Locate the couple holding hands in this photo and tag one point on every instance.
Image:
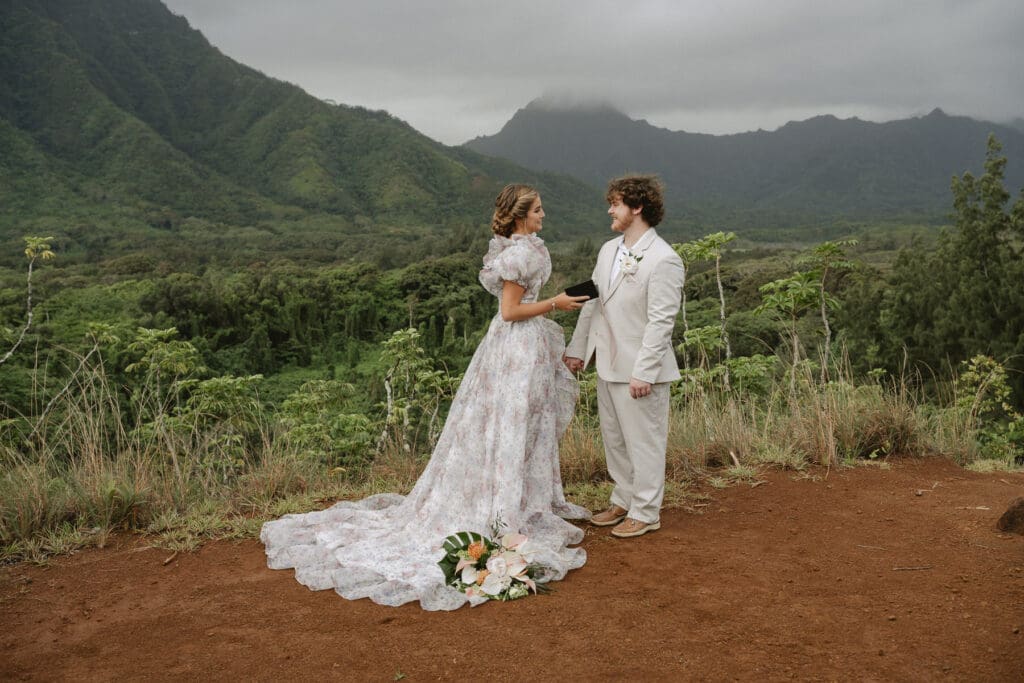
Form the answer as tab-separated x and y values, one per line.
497	458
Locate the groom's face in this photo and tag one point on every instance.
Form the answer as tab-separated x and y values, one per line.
622	215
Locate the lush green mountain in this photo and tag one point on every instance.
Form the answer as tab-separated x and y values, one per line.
123	129
820	169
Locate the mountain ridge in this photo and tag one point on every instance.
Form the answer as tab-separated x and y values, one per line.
824	168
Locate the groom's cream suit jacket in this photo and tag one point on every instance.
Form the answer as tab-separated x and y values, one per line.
629	326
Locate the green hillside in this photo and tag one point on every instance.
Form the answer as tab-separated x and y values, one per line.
123	129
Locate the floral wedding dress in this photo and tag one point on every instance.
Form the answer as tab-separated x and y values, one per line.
497	458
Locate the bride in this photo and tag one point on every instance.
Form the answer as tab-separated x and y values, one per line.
497	457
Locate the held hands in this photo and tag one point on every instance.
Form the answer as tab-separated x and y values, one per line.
574	364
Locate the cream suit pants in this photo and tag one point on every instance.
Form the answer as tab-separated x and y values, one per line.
635	433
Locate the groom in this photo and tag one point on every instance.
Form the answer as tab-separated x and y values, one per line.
629	328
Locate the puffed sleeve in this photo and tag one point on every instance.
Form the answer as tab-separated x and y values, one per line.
511	261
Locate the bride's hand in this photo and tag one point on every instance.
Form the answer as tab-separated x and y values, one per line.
564	302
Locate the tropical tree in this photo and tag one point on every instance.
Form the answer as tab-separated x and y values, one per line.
709	248
415	392
36	248
964	298
689	253
788	299
826	258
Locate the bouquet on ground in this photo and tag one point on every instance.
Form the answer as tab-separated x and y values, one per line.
496	570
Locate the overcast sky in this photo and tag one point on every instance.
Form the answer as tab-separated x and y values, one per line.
455	69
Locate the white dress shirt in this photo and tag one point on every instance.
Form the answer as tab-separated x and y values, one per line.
620	254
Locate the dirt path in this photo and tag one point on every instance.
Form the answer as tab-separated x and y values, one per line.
863	574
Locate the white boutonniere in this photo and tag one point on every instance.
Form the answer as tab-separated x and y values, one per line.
630	263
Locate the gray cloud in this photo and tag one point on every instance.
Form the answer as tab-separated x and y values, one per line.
455	69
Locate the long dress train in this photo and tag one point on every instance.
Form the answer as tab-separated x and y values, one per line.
496	458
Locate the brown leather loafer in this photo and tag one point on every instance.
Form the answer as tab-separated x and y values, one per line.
612	515
632	527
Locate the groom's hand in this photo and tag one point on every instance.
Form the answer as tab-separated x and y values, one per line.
638	388
574	364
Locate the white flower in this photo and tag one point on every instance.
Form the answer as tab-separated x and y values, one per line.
499	578
528	550
469	575
512	541
497	564
630	263
494	585
515	563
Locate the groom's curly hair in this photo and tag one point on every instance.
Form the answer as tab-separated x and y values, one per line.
644	192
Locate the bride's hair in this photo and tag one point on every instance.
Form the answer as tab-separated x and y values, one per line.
513	202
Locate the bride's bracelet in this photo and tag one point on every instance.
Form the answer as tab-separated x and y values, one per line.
552	305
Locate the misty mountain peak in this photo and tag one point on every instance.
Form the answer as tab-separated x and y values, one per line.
574	103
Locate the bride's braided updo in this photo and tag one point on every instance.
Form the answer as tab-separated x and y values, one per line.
513	203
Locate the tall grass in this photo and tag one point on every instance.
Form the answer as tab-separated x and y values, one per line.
98	457
720	436
91	462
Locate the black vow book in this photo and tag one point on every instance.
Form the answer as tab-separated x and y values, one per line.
587	288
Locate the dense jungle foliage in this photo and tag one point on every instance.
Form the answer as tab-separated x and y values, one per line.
935	303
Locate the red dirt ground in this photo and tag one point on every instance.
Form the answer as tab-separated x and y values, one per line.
857	574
